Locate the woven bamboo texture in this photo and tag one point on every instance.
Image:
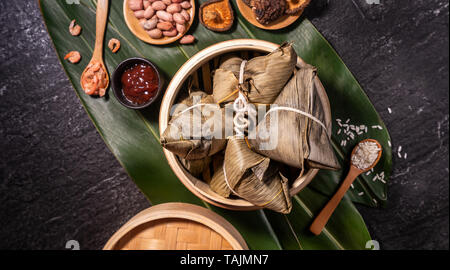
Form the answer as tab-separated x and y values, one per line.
177	226
173	234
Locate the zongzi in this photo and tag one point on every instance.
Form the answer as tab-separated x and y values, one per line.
195	131
252	177
196	167
264	76
300	110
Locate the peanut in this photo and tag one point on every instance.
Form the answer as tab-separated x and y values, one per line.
185	15
174	8
139	14
149	12
188	39
163	15
135	5
150	24
158	5
155	33
142	22
178	18
165	26
180	28
147	4
171	33
186	5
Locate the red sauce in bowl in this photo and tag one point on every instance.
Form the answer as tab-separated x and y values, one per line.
140	83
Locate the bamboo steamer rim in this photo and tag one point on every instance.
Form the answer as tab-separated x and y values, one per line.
181	211
196	186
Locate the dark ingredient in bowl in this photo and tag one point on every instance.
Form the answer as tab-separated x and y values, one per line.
140	83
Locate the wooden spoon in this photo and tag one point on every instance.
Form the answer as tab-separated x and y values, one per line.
322	219
97	56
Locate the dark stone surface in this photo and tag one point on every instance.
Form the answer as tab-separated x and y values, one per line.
53	187
398	51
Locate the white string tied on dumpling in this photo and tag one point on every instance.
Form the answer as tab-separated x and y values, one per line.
308	115
226	180
241	107
196	106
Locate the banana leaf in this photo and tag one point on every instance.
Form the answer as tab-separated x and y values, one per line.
133	136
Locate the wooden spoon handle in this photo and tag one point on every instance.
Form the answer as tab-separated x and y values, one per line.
322	219
101	20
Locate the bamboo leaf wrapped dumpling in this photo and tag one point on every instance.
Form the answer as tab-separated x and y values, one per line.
252	177
190	140
231	63
196	166
264	76
308	139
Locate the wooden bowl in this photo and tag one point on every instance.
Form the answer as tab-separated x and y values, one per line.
177	226
201	63
134	26
282	22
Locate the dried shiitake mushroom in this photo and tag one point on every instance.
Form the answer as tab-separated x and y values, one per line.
296	6
217	15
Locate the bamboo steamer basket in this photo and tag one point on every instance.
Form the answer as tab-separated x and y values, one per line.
201	64
177	226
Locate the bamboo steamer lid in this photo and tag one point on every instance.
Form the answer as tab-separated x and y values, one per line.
177	226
